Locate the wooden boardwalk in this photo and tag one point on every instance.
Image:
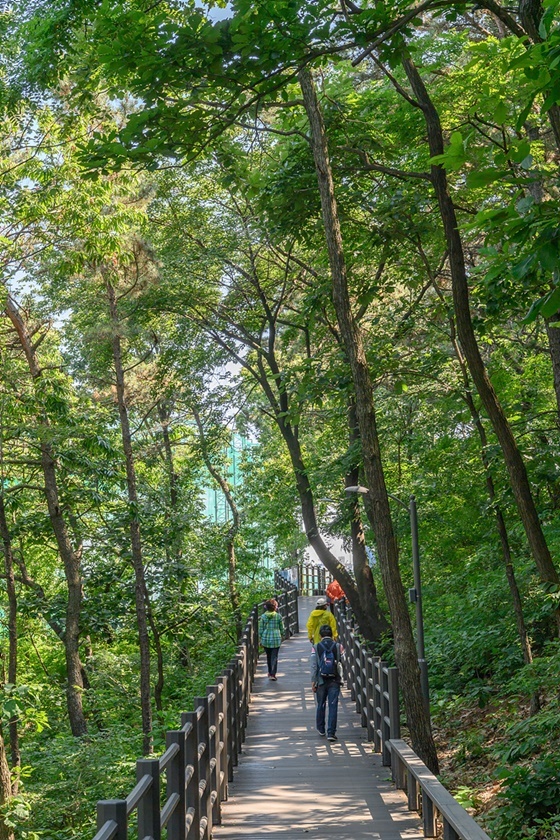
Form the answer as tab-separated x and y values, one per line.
292	783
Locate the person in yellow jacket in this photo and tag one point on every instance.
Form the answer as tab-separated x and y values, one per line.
318	618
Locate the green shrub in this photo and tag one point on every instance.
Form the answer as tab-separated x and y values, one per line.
529	802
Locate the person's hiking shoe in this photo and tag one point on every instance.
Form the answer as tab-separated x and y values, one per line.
323	733
272	677
332	738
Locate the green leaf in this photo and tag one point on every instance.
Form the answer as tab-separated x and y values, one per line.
548	256
522	118
533	312
483	177
551	303
501	113
546	306
520	150
523	266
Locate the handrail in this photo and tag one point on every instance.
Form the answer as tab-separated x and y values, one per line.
200	757
312	578
287	596
413	776
374	687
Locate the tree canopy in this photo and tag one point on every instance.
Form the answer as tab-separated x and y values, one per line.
330	231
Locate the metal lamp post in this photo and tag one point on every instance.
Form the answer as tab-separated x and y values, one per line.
415	594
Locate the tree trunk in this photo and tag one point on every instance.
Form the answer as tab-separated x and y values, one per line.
5	789
500	521
502	533
376	501
363	574
156	636
504	541
325	555
12	634
514	462
175	542
164	416
232	584
553	334
70	557
134	524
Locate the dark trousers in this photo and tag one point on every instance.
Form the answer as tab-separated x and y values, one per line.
272	660
327	694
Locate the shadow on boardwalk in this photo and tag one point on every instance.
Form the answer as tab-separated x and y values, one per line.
292	783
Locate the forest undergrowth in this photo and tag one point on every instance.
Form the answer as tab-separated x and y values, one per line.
500	760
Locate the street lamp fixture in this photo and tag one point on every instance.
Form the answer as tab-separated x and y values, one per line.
414	594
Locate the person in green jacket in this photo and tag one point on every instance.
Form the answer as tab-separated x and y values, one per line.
271	633
318	618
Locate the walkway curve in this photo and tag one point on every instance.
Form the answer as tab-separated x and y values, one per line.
292	783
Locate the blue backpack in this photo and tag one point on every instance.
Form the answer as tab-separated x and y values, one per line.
327	659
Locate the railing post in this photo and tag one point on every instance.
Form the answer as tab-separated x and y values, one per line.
449	832
113	810
394	713
213	692
176	827
357	674
351	666
398	773
428	816
377	703
255	641
363	685
295	609
223	742
243	694
192	794
283	610
385	720
149	824
204	768
412	791
235	728
250	649
370	699
394	710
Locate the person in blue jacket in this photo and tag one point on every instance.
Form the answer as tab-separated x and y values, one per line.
271	633
325	680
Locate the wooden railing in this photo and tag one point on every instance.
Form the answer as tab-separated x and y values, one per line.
428	795
313	579
374	687
287	597
200	757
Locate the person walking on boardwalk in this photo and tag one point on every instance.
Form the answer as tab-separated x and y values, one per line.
318	617
271	633
325	681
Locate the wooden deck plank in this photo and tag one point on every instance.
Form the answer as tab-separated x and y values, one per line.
292	783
